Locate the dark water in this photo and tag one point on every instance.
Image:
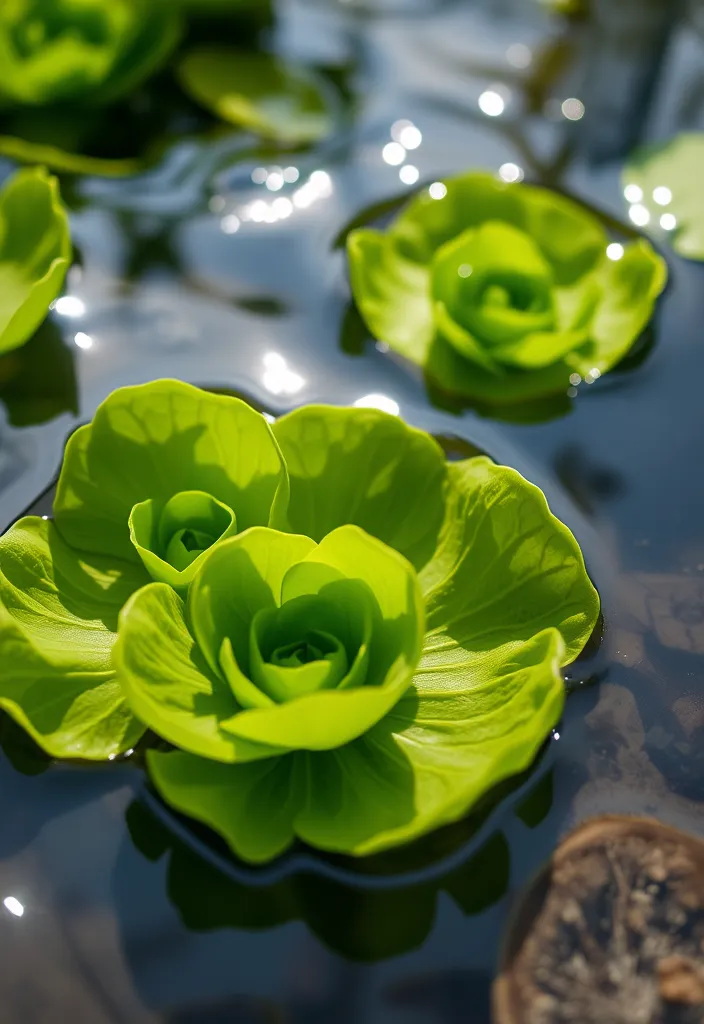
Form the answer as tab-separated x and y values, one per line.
132	916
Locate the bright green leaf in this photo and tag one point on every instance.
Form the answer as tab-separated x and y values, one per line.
364	467
154	441
173	537
504	570
58	623
259	92
35	253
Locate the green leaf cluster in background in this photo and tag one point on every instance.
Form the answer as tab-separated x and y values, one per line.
259	92
502	292
35	253
666	181
86	51
348	639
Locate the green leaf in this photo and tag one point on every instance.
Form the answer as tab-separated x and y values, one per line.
630	288
392	294
58	622
258	92
367	468
35	253
505	569
426	764
250	805
173	537
154	441
93	52
671	173
501	292
169	684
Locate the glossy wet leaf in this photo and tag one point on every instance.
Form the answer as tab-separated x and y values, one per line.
155	441
668	178
505	569
35	253
501	292
58	624
364	467
258	92
91	52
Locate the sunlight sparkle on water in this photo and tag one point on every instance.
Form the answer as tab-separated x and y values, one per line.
14	906
393	153
409	174
511	172
70	305
492	103
382	402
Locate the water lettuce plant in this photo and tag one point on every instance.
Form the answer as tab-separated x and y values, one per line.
35	253
664	181
348	639
501	292
89	52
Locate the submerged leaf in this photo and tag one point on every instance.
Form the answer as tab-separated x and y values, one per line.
258	92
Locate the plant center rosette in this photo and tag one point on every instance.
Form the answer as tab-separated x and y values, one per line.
503	292
347	639
84	51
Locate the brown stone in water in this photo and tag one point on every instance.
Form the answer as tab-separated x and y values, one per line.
610	932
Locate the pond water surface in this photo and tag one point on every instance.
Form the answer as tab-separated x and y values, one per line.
131	915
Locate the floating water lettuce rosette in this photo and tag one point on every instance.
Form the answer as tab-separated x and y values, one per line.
62	59
347	639
501	292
